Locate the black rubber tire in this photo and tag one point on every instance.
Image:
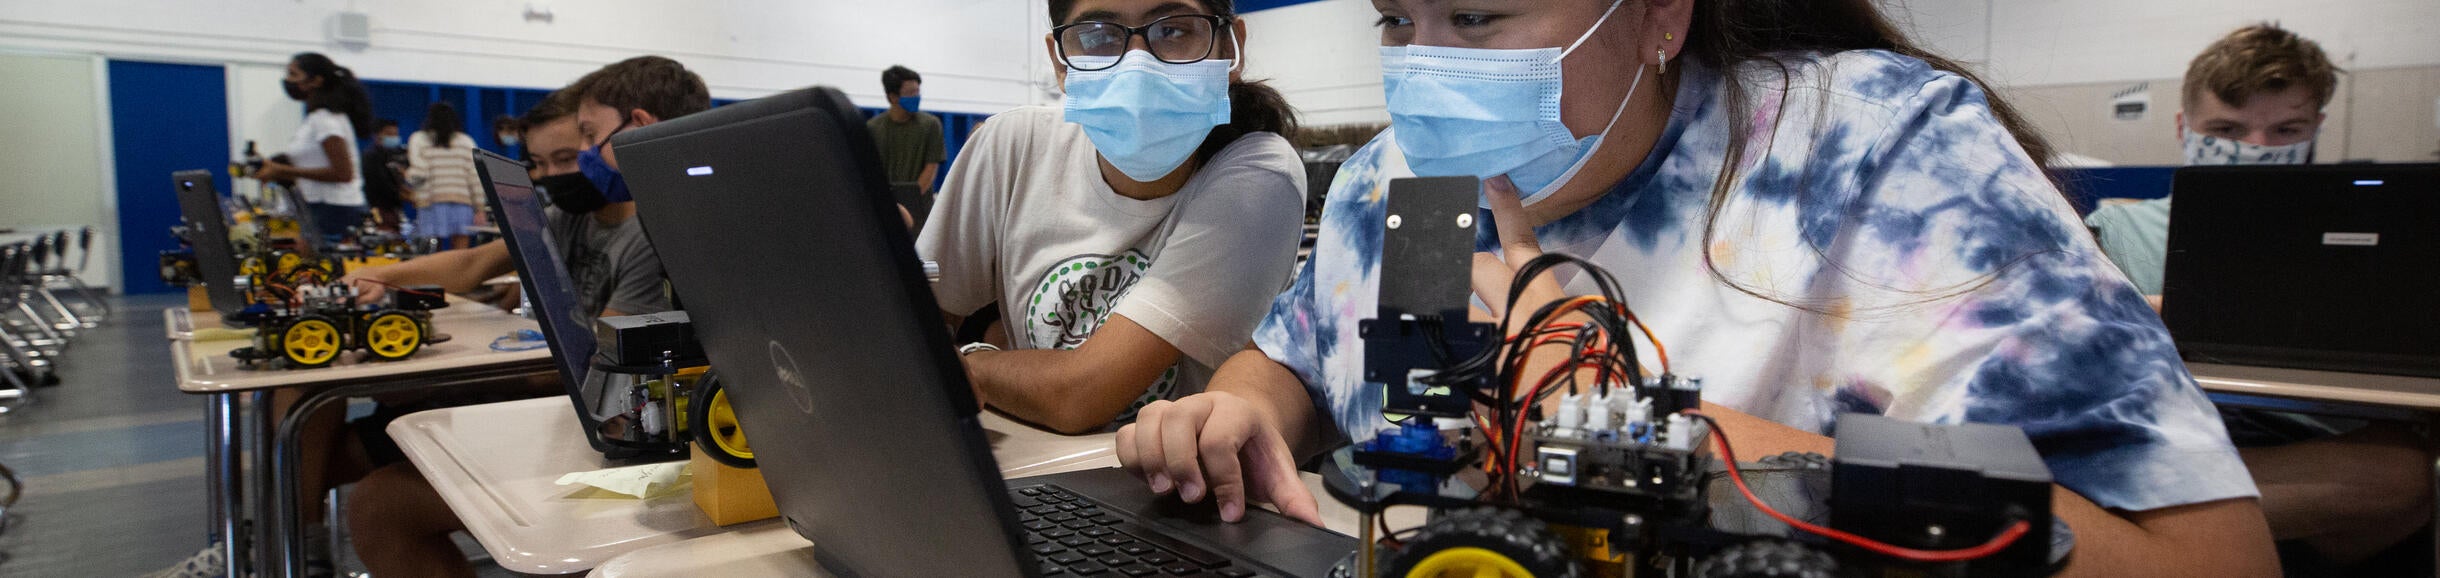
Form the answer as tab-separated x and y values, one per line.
698	414
1768	559
1527	541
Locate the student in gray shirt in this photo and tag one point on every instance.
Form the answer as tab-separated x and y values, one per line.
1131	240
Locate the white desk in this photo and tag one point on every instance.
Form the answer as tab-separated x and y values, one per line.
507	495
770	548
205	368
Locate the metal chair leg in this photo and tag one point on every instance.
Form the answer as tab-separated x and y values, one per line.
68	322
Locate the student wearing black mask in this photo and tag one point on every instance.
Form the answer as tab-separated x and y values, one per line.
607	255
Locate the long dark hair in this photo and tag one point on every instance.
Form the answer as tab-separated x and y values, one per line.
1253	105
441	123
1726	34
340	92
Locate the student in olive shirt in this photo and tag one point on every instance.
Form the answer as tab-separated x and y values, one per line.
911	142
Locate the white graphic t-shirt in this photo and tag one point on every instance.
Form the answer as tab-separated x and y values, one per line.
1025	220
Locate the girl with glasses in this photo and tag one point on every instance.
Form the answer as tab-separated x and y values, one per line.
1131	238
1817	216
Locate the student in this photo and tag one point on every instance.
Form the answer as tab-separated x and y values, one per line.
384	168
2253	98
321	160
441	165
1132	240
2336	492
1814	213
400	525
911	142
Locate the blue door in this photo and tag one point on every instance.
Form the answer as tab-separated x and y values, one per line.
164	118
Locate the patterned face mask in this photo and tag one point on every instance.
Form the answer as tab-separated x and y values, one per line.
2211	150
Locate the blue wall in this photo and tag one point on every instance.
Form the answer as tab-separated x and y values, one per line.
406	103
1244	6
164	118
2086	187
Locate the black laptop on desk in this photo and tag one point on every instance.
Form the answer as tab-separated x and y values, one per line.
207	230
2328	267
776	227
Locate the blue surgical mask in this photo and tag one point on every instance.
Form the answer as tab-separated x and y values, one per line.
1146	116
910	103
1483	113
390	142
2211	150
508	140
605	179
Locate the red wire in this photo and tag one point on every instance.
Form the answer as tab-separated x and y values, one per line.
2006	537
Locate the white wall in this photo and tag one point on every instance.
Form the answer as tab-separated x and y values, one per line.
2058	59
55	165
1324	56
976	55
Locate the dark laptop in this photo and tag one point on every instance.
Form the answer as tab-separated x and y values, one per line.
207	229
551	296
2329	267
777	229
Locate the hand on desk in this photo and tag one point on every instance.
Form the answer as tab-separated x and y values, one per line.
1215	444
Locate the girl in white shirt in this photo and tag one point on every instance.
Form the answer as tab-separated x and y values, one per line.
321	161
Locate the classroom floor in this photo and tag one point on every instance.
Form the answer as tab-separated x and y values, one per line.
112	460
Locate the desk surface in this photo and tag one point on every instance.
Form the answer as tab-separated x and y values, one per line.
507	495
2419	393
205	366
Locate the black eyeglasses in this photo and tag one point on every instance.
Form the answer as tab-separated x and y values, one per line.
1179	39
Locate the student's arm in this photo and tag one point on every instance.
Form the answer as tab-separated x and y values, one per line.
2215	538
457	271
1076	390
936	151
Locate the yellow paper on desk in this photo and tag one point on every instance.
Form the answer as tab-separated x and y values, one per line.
642	482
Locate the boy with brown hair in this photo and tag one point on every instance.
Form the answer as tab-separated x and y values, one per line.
2252	98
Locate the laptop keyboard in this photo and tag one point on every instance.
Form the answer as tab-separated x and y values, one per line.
1072	536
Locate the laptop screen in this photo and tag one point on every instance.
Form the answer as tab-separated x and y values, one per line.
526	227
207	229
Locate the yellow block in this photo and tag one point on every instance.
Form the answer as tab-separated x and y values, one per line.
197	300
730	495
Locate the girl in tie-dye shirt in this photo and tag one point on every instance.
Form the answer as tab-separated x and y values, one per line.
1883	244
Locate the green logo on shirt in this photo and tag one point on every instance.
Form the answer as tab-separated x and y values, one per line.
1076	296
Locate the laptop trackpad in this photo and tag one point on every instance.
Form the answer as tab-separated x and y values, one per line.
1262	536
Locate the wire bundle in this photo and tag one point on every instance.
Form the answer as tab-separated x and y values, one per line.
1596	332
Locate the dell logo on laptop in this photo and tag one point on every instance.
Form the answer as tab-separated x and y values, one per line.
784	365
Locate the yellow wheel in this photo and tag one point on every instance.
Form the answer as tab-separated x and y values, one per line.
1468	562
393	336
287	261
1483	542
310	342
713	423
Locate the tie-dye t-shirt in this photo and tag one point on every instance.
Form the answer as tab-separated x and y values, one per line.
1954	283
